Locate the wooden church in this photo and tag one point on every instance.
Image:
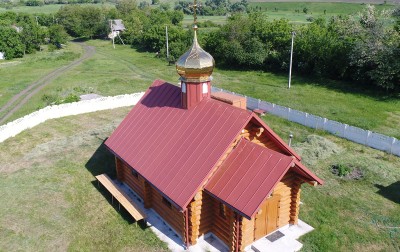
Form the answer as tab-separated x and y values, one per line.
206	164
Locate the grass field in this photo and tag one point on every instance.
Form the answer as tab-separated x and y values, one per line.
49	200
47	9
17	74
124	70
278	10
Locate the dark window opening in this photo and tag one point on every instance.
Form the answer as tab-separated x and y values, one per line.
135	174
166	202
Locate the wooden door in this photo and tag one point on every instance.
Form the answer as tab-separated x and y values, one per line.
266	220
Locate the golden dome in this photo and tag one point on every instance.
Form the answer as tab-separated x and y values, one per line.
196	65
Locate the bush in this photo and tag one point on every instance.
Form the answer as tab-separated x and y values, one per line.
343	170
71	98
11	43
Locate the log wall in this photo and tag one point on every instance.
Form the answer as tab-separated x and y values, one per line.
289	189
171	215
152	198
124	174
252	133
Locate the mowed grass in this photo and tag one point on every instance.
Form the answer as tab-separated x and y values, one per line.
348	215
49	198
125	70
50	201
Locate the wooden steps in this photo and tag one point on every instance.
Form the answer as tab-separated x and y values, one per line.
130	206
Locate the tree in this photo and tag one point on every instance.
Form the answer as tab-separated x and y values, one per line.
57	35
83	21
125	7
11	43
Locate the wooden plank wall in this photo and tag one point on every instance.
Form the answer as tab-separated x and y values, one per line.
124	174
251	131
171	215
152	198
289	189
205	217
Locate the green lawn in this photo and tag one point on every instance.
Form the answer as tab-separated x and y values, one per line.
49	198
17	74
278	10
348	215
50	201
124	70
47	9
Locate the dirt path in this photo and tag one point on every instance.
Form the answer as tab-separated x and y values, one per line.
22	97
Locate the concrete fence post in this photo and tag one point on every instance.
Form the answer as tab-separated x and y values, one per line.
344	130
324	123
288	113
368	135
305	119
391	145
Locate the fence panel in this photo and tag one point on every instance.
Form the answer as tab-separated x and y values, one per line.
56	111
297	116
380	142
252	103
280	111
335	128
315	122
395	147
267	106
357	135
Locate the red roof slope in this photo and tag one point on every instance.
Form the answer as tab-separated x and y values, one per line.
248	176
173	148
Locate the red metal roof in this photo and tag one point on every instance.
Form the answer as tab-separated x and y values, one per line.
306	173
248	176
173	148
286	149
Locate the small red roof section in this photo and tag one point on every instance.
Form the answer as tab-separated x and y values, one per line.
176	149
248	176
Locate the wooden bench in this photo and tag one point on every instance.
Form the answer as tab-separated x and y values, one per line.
123	199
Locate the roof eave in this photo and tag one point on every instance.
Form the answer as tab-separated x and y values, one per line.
276	138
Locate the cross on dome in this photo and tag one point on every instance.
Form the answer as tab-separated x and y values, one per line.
195	6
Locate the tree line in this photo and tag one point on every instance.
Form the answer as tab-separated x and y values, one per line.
363	48
23	34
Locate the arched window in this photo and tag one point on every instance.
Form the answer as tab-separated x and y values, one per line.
183	87
205	88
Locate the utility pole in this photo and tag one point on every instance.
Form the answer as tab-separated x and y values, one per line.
291	59
166	35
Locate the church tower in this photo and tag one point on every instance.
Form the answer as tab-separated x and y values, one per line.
195	68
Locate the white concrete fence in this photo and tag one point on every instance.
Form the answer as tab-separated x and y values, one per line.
13	128
355	134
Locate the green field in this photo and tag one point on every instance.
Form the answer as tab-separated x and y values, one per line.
47	9
17	74
50	200
278	10
124	70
